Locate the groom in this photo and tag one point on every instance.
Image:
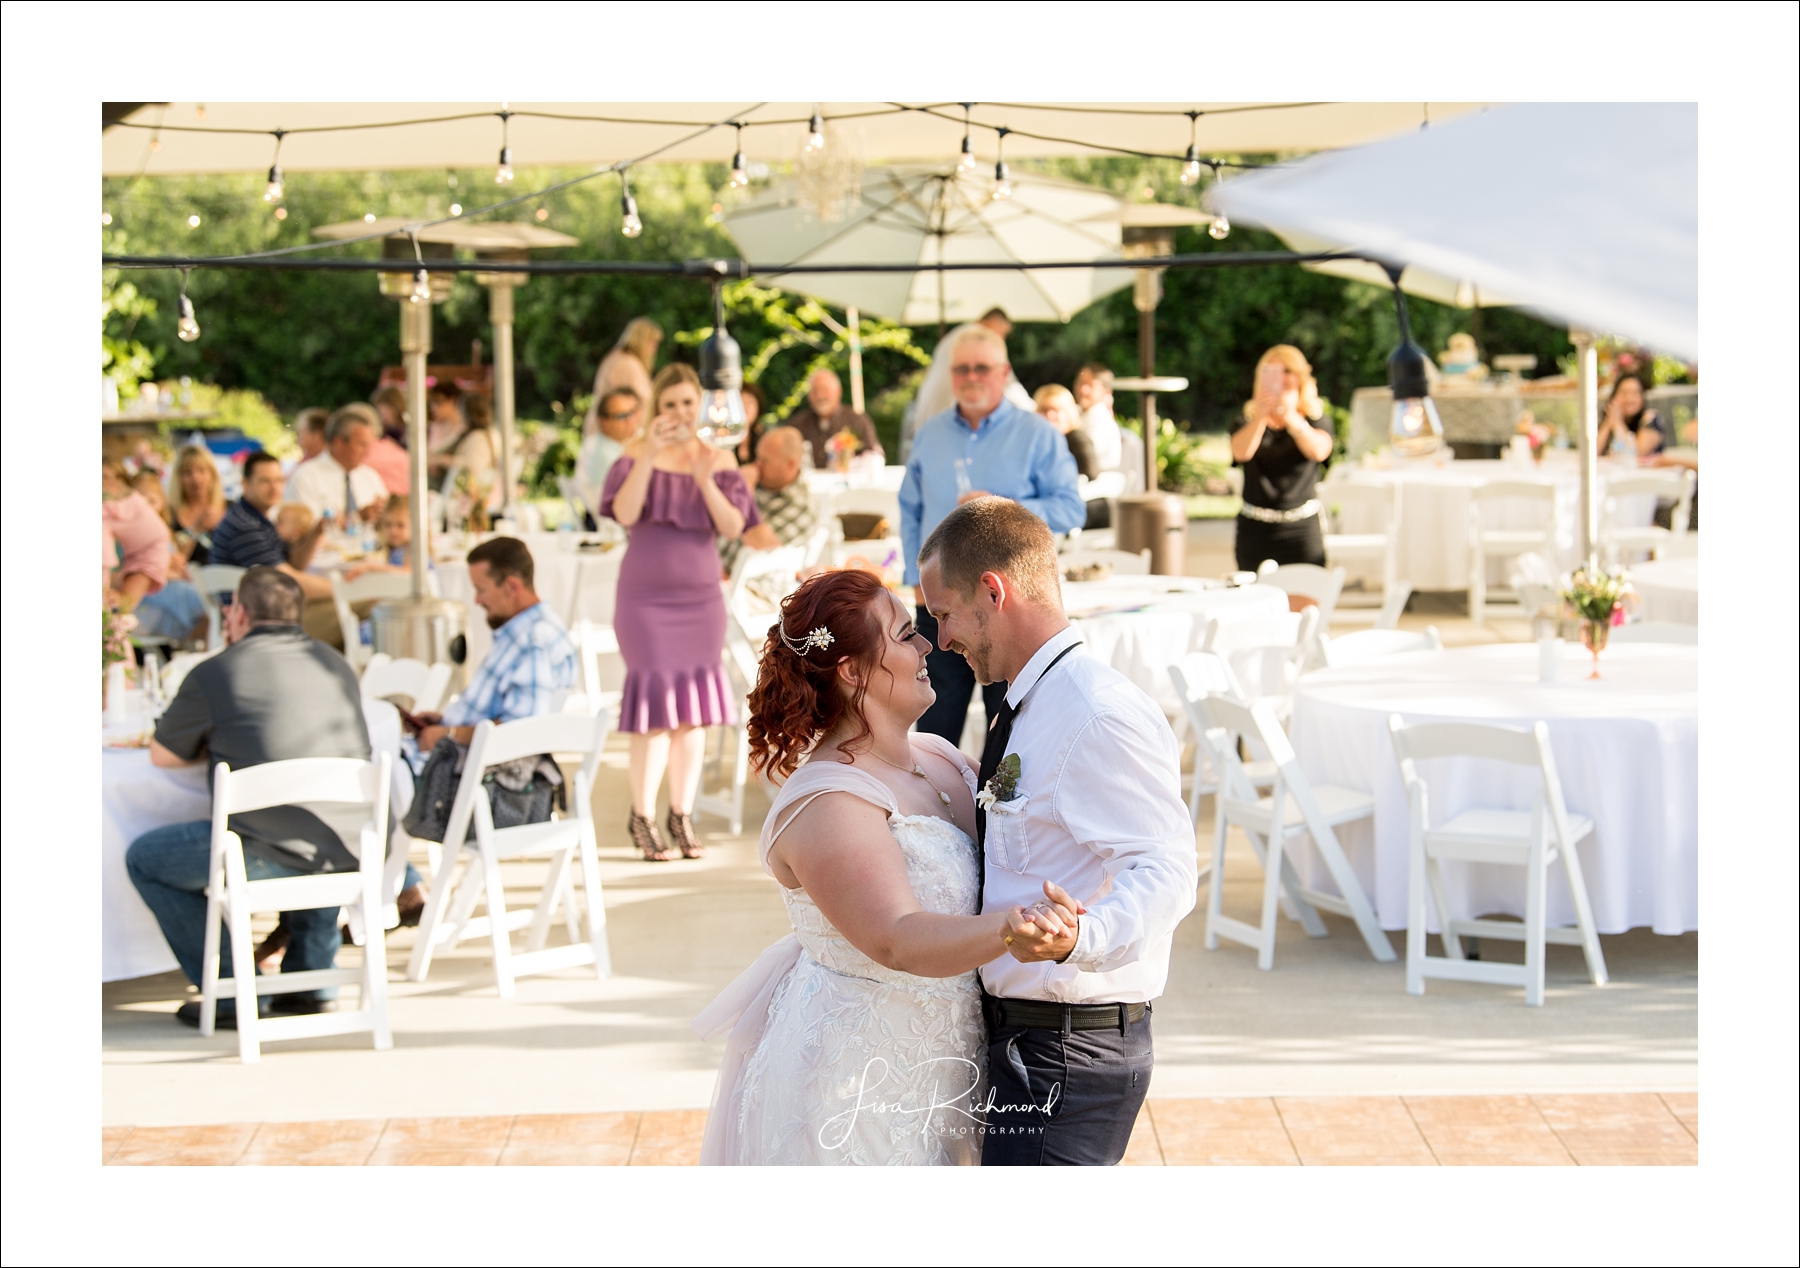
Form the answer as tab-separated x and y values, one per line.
1081	788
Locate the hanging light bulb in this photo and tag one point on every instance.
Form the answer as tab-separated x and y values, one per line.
966	163
1190	169
187	328
421	291
281	213
815	132
272	192
722	421
629	224
106	217
740	170
503	174
193	222
1220	228
1414	428
456	209
1002	188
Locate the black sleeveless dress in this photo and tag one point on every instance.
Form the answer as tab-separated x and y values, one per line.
1278	477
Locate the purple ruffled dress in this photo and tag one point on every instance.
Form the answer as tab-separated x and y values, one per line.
670	613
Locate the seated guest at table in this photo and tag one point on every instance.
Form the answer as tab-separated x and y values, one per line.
1095	485
134	541
629	363
294	520
1629	424
443	423
983	445
936	394
176	611
532	661
388	457
785	502
825	415
248	538
272	695
616	420
1280	450
338	484
676	496
1094	397
309	427
476	452
755	406
196	503
394	531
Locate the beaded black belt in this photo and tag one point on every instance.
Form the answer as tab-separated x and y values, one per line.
1034	1014
1305	511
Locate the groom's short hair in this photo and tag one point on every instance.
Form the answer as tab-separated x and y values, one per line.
995	534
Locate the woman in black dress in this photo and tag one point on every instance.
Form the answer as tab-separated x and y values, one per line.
1280	449
1629	422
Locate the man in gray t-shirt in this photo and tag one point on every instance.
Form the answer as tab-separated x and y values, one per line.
272	695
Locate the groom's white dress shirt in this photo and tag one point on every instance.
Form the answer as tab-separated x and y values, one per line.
1098	810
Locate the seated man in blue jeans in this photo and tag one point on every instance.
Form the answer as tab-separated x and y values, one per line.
272	695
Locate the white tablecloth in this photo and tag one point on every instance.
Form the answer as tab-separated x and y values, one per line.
1668	590
1142	625
1627	750
1434	515
136	797
578	585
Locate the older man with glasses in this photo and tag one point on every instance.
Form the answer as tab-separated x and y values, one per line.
983	445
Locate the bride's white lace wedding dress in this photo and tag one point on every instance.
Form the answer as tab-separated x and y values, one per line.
833	1059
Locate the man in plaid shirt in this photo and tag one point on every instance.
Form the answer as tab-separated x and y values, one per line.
532	660
786	503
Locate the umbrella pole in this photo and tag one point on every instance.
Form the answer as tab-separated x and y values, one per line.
1587	405
856	375
415	347
500	310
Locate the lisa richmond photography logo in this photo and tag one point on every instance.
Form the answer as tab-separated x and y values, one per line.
943	1097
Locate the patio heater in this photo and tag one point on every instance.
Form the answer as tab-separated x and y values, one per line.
1151	519
419	625
500	312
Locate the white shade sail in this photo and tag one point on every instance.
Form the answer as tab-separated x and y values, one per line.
1588	214
175	138
921	215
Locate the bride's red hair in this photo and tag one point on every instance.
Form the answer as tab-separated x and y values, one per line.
798	696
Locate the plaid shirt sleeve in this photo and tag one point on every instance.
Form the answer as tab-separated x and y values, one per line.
530	663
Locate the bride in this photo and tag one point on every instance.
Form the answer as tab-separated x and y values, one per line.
858	1038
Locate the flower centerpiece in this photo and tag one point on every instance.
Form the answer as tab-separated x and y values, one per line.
842	447
1599	600
115	637
1538	434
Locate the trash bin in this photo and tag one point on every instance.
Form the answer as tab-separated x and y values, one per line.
430	630
1157	521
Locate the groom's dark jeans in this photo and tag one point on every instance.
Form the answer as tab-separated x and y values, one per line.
1064	1099
954	683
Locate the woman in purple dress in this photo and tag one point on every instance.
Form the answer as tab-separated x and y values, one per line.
676	495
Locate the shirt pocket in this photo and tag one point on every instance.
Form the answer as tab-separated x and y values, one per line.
1007	846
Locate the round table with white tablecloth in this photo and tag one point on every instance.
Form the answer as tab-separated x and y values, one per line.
1434	514
136	796
1142	625
1668	590
1627	750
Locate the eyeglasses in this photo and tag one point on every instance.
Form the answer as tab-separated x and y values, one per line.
619	418
974	371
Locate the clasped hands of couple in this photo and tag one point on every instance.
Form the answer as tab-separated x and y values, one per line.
1045	930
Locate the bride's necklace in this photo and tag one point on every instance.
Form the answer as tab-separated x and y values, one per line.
920	772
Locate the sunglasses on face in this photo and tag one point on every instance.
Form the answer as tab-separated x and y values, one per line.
974	371
619	418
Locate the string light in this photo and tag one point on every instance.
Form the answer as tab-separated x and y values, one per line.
272	194
193	222
1220	228
1414	429
815	132
421	291
456	209
629	224
1002	189
187	328
543	213
1190	169
503	175
281	213
368	217
740	170
106	217
966	163
722	421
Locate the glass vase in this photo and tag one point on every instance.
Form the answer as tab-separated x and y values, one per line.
1593	637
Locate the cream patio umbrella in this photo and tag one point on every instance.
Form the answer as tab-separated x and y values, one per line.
922	215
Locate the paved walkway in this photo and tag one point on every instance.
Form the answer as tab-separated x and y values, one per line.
1594	1130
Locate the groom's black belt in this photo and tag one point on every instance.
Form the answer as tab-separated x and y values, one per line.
1034	1014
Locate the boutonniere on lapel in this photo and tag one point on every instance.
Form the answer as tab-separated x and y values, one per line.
1003	785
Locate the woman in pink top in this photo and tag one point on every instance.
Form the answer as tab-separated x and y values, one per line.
134	541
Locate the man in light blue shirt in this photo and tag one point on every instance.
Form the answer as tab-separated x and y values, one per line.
983	445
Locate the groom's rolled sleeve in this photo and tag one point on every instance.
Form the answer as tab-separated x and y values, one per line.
1140	833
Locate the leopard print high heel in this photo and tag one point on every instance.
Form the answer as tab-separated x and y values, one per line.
681	830
645	838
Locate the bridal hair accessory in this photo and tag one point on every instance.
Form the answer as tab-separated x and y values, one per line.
819	637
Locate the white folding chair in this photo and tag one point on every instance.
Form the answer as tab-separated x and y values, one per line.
1124	563
1266	653
423	684
1294	807
721	791
1393	606
602	667
1656	632
1619	540
1366	645
232	896
371	585
1308	581
1501	543
213	580
562	840
1199	675
1532	839
570	489
1535	585
1378	504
